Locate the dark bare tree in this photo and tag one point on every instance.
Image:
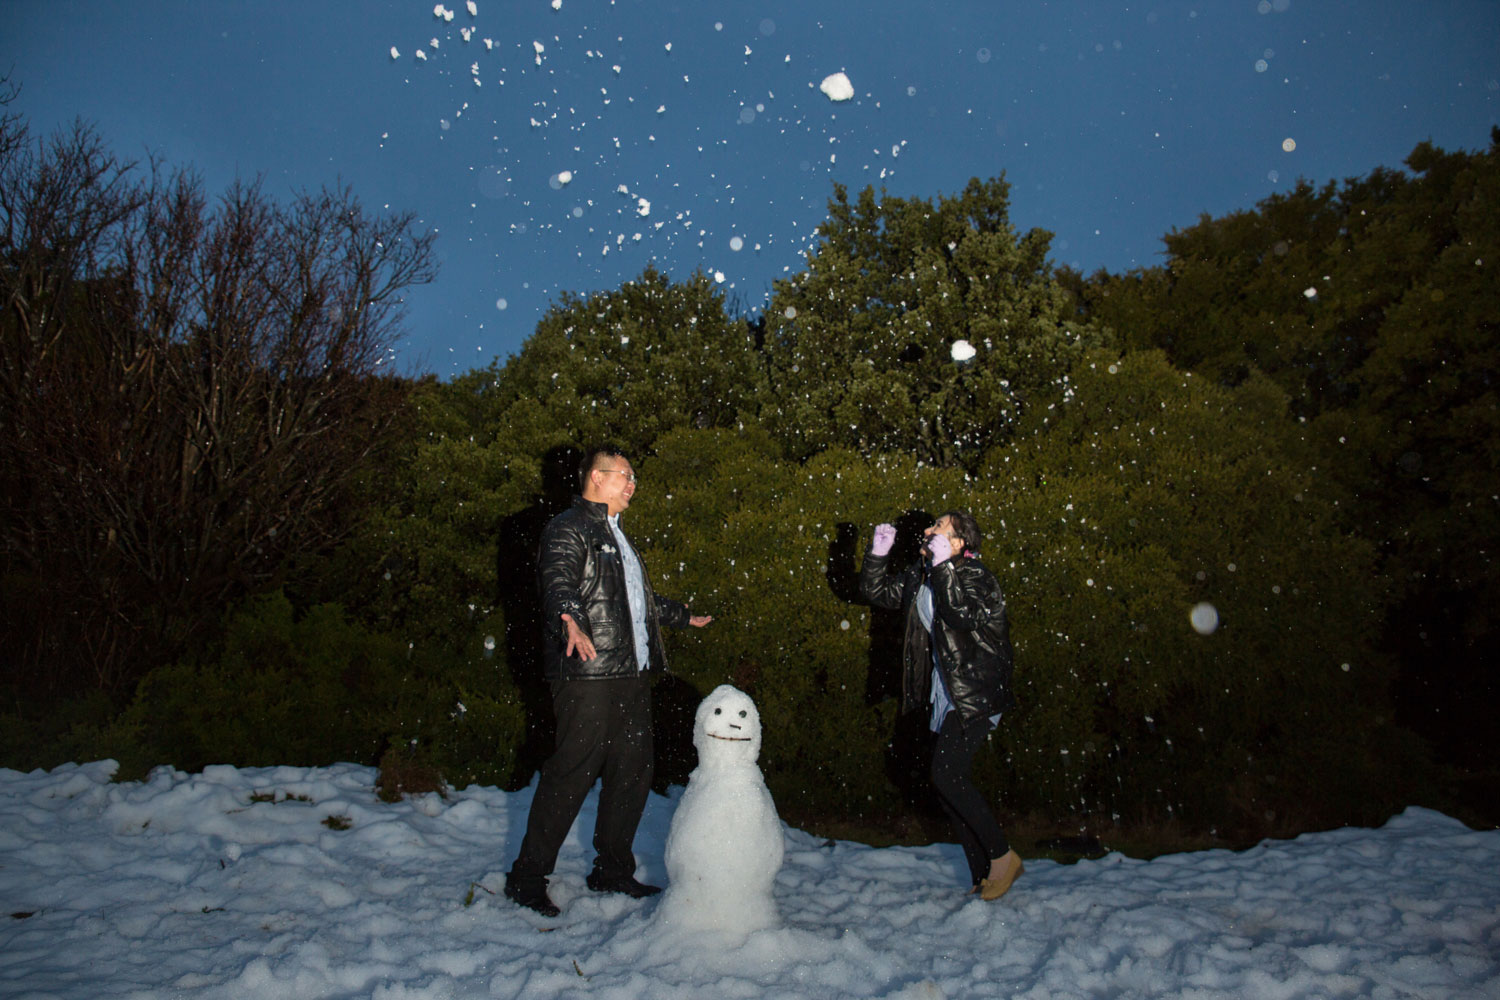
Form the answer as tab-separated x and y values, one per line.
187	393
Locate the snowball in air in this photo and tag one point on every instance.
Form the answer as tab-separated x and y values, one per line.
962	350
1287	145
837	87
1205	618
564	176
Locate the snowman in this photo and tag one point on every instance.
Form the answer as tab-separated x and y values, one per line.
725	844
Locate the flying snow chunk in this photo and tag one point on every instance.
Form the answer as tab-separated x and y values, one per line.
1311	293
736	243
442	12
1287	145
564	176
1205	618
473	8
719	277
642	207
395	52
837	87
557	4
962	350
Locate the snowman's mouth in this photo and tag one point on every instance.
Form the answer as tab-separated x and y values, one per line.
731	739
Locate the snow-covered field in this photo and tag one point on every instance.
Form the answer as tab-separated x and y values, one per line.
232	883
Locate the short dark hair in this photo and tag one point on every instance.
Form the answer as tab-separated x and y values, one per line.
591	459
965	527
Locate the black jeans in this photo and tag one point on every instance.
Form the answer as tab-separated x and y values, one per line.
603	730
952	769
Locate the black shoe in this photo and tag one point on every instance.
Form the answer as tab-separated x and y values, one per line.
531	892
600	882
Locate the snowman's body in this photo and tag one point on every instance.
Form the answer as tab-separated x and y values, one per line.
725	844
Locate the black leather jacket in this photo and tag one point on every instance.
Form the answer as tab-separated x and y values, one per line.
969	628
581	573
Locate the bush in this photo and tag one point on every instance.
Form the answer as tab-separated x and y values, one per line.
319	688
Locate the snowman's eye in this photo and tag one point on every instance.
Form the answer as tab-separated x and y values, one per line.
743	713
718	711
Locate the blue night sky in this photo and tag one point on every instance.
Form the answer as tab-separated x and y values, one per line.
564	146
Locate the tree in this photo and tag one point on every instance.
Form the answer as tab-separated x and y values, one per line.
626	365
186	393
919	328
1372	304
1155	490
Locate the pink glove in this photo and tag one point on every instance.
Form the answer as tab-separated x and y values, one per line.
940	548
885	537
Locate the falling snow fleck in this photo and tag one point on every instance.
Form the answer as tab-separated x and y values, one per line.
1205	618
837	87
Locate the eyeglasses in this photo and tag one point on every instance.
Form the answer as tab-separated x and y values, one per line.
628	475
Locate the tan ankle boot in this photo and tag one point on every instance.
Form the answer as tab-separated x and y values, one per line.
991	889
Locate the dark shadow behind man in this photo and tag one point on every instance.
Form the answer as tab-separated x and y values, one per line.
515	582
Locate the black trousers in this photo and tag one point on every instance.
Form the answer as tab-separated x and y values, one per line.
603	730
952	778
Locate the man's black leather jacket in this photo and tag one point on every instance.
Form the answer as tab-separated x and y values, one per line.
969	629
581	573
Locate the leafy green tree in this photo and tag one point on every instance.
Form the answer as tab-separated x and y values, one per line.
920	328
1372	304
627	365
1154	492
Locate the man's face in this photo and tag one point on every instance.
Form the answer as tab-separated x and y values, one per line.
944	526
614	482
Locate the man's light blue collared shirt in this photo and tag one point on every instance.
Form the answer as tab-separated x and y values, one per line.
635	592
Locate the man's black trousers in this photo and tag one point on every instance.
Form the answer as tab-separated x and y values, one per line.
603	730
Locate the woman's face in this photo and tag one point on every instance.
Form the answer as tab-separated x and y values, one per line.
944	526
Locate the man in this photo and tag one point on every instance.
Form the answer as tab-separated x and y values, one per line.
957	659
601	644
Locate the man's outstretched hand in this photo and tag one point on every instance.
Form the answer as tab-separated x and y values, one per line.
577	641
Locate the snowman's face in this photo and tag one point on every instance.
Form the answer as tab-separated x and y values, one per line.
727	725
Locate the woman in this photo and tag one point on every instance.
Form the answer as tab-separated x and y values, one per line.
957	659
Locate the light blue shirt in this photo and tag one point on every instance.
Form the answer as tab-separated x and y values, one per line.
942	704
635	592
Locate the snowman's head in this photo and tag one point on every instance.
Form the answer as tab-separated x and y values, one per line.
727	728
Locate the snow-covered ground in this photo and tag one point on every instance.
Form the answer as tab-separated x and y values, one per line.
231	884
